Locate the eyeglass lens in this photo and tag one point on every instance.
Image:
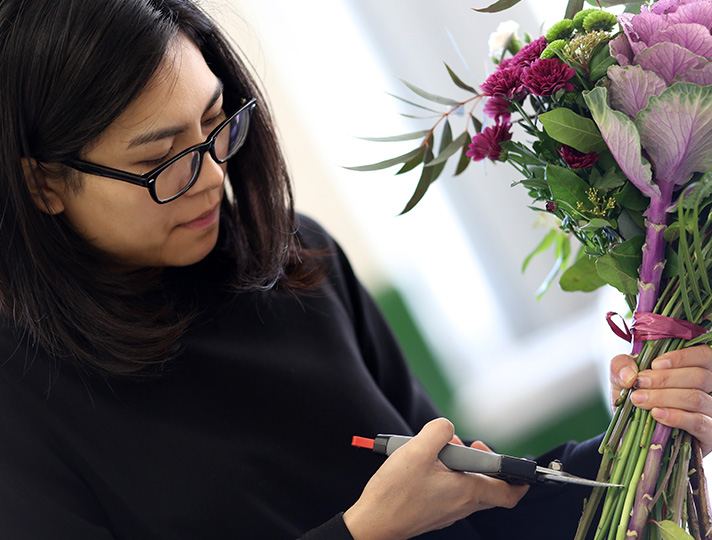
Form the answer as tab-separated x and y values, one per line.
183	172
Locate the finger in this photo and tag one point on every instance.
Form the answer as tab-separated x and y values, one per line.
498	492
696	424
684	399
479	445
457	440
696	378
623	371
431	439
699	356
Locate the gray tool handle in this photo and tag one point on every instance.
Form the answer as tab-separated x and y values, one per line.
464	458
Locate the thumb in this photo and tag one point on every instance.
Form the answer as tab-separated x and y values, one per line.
624	371
435	435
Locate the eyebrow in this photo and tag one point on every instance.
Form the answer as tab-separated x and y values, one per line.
159	134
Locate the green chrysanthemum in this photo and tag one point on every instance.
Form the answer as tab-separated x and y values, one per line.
550	51
580	16
561	30
582	46
599	21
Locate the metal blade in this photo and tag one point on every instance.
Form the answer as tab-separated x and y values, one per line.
550	475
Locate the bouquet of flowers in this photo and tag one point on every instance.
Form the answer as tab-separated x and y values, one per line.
613	118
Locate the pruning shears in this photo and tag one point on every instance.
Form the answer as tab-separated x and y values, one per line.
463	458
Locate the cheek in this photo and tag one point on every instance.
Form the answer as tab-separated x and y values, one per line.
121	223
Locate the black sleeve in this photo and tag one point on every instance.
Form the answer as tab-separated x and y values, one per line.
334	529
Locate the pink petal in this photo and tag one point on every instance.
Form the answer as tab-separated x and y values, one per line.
696	12
702	76
676	132
631	87
669	60
620	50
646	25
694	37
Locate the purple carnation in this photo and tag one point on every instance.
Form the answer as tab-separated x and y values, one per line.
529	53
497	107
547	75
487	143
503	82
576	159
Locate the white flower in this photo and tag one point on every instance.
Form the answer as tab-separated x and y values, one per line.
498	40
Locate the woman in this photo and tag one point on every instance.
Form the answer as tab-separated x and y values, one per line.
181	357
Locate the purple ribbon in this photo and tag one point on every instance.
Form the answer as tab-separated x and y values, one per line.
649	326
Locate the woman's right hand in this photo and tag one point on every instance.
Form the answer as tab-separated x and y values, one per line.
413	492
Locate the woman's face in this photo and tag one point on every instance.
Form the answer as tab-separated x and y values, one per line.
179	108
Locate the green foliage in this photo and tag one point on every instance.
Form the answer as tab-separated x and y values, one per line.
582	276
567	127
672	531
594	204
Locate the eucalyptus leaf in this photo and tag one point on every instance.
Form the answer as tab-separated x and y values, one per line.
426	178
581	276
498	6
477	123
397	138
572	129
413	163
465	160
450	149
459	82
430	97
388	162
413	104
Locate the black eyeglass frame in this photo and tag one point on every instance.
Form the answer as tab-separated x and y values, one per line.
148	180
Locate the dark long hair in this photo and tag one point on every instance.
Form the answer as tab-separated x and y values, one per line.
69	68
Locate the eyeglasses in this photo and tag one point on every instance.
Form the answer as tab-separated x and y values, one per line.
173	178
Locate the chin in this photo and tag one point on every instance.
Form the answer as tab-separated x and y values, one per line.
197	253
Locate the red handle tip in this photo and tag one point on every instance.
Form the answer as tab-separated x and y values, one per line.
362	442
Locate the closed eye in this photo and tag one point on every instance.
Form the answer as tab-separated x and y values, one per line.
153	163
215	120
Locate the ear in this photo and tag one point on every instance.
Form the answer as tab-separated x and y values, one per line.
45	190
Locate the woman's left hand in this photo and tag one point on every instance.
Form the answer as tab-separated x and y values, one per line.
676	390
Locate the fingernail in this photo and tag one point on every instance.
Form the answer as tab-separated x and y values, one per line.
659	414
639	397
643	382
662	363
627	375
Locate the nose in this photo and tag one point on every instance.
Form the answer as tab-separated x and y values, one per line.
210	176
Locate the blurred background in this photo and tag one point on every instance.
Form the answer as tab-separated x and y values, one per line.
523	374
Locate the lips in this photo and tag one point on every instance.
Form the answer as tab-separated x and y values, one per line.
204	220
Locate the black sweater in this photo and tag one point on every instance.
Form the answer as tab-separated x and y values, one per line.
247	435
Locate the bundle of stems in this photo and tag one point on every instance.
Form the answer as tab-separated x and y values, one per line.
664	491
